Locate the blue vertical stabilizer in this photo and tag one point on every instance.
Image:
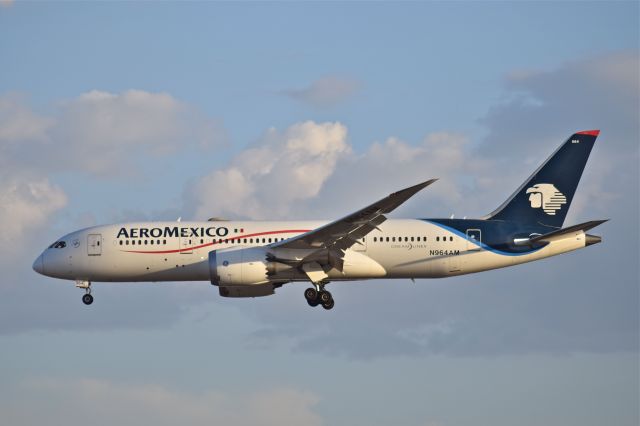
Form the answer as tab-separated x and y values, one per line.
545	197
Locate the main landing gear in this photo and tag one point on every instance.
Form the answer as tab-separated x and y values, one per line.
319	296
87	298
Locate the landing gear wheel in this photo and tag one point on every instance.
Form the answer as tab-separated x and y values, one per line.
328	305
311	295
325	297
87	299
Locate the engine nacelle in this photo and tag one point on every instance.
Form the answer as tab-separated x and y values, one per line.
238	267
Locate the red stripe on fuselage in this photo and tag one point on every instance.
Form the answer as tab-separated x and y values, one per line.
287	231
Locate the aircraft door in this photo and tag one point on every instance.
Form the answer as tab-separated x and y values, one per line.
474	239
94	244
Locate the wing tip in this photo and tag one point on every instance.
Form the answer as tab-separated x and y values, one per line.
428	182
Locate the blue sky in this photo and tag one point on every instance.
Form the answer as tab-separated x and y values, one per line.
124	111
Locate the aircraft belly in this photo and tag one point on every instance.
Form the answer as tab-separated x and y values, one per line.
132	267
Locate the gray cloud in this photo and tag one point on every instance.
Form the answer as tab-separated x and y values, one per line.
581	302
100	132
573	303
72	402
325	92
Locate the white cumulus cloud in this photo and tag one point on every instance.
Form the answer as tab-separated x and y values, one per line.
265	180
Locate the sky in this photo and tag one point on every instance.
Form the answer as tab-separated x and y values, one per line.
120	111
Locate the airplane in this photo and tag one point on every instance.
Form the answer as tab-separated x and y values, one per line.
254	258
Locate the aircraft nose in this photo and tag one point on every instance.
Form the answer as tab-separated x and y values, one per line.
38	265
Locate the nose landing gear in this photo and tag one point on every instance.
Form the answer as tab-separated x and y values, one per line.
87	298
319	296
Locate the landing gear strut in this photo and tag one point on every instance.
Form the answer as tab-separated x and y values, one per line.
87	298
319	296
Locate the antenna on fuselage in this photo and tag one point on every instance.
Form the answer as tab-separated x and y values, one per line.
179	219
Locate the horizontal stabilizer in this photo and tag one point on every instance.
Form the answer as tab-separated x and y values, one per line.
562	233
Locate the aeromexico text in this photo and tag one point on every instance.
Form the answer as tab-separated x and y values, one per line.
173	231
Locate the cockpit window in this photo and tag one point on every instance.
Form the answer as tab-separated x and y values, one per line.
58	245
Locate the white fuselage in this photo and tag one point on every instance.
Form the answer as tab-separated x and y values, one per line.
179	251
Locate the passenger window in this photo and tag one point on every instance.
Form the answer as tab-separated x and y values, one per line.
145	242
406	239
450	238
437	238
126	242
164	241
411	239
151	242
120	242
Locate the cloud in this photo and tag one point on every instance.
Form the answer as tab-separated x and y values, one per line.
100	132
18	123
292	174
394	164
26	204
27	197
97	133
72	402
263	181
325	92
559	305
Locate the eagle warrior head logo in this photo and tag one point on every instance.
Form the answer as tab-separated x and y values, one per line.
547	197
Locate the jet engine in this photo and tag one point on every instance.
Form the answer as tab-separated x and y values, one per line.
246	272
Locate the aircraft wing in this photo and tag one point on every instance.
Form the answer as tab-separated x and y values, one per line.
343	233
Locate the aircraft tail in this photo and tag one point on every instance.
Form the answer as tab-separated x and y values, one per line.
545	197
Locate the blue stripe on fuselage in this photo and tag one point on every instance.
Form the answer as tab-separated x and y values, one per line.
504	233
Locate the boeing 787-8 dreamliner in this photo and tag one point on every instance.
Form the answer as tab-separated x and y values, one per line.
254	258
